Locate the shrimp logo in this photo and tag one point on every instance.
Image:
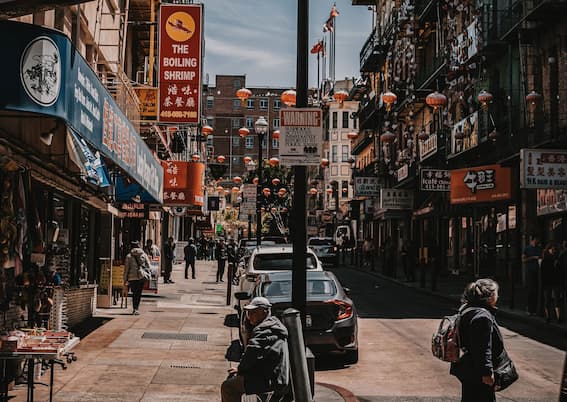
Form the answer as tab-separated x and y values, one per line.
40	71
180	26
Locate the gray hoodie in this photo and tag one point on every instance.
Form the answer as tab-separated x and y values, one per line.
136	257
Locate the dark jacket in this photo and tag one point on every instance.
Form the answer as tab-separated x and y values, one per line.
483	343
190	252
550	272
169	252
265	362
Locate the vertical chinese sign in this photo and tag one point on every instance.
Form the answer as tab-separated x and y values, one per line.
183	183
180	63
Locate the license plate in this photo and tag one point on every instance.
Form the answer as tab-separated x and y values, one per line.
308	321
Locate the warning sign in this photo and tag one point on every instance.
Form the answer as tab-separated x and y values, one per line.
301	136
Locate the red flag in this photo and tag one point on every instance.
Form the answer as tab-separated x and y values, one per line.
317	48
329	25
334	11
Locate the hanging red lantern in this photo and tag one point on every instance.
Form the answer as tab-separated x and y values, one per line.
329	190
255	180
353	135
324	162
206	130
243	94
221	158
243	132
389	98
288	97
237	179
436	100
266	192
533	99
274	161
235	189
387	137
484	98
275	181
313	191
345	190
220	188
422	135
276	135
282	192
195	157
341	96
247	160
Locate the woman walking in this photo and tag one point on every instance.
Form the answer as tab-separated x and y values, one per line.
551	280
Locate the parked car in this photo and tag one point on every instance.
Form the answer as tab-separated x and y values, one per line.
331	325
276	239
325	248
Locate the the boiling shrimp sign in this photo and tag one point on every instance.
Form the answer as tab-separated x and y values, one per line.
301	136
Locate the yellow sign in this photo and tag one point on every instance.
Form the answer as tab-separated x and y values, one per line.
180	26
148	101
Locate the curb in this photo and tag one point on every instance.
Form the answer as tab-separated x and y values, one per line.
343	392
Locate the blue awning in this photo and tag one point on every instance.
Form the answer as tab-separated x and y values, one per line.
128	192
90	163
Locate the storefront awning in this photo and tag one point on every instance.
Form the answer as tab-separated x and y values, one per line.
90	163
126	191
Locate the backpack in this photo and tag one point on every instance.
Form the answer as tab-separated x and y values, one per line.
144	271
445	343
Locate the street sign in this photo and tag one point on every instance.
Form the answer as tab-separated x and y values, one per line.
543	168
248	204
301	136
366	187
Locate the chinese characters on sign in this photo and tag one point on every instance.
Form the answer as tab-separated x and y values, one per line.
366	187
301	136
403	172
469	128
183	183
396	198
135	211
543	168
480	184
148	101
180	63
435	180
428	147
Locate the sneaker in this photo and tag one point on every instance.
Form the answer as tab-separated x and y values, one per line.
135	312
170	281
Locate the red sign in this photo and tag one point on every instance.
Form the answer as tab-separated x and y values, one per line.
481	184
183	183
180	63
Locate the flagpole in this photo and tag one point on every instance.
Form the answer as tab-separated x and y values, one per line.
318	76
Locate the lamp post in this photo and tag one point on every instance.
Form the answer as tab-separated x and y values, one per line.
261	129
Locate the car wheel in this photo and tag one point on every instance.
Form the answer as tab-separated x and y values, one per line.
351	357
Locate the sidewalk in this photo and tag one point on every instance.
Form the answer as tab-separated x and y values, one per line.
450	287
173	351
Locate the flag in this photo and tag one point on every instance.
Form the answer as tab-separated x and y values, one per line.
317	48
329	24
334	11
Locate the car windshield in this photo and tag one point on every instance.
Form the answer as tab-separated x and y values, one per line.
320	242
280	261
319	287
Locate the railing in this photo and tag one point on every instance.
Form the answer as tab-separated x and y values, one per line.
429	70
421	6
367	111
372	45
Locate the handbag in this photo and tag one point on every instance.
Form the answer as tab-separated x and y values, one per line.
505	373
143	270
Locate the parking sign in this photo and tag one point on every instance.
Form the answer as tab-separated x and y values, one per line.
301	136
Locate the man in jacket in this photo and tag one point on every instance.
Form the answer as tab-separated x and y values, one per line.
169	255
190	252
264	366
135	259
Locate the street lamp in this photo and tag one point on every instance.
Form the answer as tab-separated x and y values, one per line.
261	129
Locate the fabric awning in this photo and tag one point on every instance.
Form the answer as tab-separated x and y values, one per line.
130	191
93	169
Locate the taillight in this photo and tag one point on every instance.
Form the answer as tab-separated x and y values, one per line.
334	249
344	310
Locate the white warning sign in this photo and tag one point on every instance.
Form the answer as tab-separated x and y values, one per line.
301	136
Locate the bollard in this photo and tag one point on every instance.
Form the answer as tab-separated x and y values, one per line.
229	275
298	360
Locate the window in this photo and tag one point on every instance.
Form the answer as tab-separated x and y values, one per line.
275	143
265	142
263	104
249	142
354	123
236	104
335	153
276	122
250	104
210	140
335	120
236	84
236	141
235	123
345	153
250	122
277	104
345	119
210	102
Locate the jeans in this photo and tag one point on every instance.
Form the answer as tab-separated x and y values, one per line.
187	264
136	287
477	392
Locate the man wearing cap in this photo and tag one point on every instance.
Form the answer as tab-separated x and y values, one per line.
264	366
132	276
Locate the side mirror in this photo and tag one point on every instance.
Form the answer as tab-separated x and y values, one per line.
242	296
347	291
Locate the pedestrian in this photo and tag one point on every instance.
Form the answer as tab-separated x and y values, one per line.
551	282
530	257
232	253
222	257
405	254
136	260
190	252
169	254
562	282
367	252
211	247
264	366
151	249
482	340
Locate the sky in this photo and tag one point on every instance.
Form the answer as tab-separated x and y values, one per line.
258	38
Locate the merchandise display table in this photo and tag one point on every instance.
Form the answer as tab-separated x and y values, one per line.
51	347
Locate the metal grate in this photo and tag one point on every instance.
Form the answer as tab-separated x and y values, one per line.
184	366
177	337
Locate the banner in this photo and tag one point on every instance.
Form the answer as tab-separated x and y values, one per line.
148	101
180	41
396	198
434	180
481	184
301	136
543	168
183	183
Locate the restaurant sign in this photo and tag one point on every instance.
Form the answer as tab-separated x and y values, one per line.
435	180
134	210
428	147
366	187
391	198
183	183
481	184
543	168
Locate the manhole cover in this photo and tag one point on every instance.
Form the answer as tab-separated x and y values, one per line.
183	366
177	337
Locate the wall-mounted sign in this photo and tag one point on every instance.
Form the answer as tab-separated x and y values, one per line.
403	172
481	184
366	187
183	183
551	201
466	45
134	210
469	128
148	97
391	198
301	136
213	203
428	147
180	63
543	168
249	194
435	180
